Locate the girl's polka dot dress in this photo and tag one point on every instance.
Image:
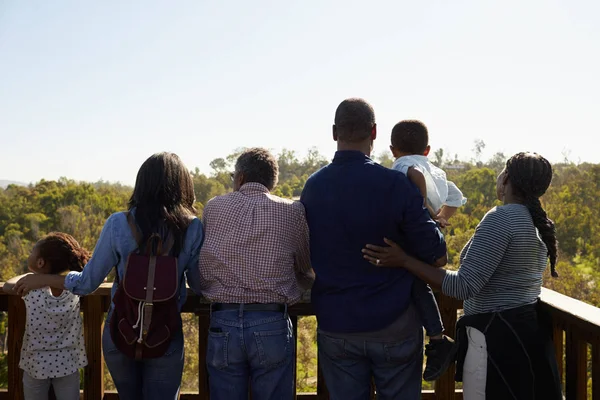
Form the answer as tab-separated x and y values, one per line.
53	344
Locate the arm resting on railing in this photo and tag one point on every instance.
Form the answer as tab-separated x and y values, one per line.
9	286
31	282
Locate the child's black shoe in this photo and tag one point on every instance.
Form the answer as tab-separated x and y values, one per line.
440	354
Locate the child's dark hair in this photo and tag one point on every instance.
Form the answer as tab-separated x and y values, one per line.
63	252
410	136
530	175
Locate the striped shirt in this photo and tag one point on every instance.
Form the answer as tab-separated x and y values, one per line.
501	266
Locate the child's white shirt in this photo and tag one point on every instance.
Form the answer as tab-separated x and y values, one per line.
440	191
53	344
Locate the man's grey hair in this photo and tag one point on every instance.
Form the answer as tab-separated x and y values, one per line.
258	165
354	120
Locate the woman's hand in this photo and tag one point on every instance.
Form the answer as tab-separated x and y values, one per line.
31	282
392	256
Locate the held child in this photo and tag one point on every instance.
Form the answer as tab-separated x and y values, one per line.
53	348
410	147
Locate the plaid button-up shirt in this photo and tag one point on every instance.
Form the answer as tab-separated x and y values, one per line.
256	248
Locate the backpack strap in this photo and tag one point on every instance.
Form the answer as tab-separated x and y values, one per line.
146	307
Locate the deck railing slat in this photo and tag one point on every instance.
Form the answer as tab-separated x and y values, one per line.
576	368
445	386
203	323
93	319
596	370
16	328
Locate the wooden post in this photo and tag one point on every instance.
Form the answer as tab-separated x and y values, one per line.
16	329
596	370
558	339
93	317
576	368
445	387
203	324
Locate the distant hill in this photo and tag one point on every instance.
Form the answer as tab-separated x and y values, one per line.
5	183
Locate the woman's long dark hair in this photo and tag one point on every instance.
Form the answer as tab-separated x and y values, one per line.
530	175
163	198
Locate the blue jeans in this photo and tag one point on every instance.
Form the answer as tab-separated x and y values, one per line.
150	379
253	348
426	305
349	364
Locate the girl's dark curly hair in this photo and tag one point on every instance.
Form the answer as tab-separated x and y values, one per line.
62	252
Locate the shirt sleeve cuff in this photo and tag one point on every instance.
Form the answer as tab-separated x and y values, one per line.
456	202
447	283
71	280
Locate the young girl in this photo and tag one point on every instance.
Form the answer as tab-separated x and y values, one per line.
53	348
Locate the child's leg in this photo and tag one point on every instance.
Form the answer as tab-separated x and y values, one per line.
66	387
424	301
35	389
440	351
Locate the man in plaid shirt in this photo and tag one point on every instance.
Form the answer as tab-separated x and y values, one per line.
254	263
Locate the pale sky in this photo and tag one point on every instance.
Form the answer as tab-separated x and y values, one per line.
89	90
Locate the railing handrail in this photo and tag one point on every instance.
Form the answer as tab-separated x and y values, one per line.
573	311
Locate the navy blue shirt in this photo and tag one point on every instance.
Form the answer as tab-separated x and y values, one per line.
350	203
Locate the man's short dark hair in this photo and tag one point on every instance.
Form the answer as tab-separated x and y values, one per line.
354	120
258	165
410	136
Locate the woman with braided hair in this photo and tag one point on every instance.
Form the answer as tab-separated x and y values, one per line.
530	178
505	345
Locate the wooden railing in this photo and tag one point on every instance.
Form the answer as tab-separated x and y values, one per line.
574	320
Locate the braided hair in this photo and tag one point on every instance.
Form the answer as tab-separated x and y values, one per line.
530	175
62	252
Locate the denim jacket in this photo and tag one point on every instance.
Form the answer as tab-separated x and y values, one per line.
116	243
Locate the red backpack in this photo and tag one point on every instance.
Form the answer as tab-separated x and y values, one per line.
145	314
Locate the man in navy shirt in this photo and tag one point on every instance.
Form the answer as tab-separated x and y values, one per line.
368	327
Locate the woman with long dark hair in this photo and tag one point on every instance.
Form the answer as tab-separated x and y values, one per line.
162	205
505	348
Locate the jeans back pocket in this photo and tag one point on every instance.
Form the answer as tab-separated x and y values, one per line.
274	347
216	353
334	348
399	353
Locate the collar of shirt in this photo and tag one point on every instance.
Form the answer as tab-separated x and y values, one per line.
422	161
344	156
253	188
